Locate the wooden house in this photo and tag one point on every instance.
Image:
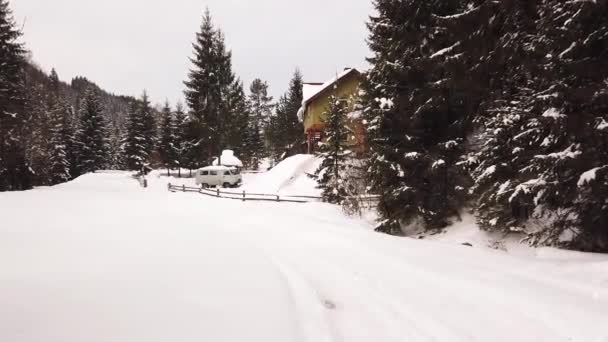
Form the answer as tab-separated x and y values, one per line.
345	86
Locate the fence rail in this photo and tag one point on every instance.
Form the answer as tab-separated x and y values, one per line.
244	196
367	201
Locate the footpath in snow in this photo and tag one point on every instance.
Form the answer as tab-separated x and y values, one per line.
101	259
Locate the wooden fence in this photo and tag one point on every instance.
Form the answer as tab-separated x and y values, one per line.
366	201
244	196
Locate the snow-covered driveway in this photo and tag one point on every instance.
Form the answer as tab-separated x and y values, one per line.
102	260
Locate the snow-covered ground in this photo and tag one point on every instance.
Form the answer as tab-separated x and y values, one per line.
101	259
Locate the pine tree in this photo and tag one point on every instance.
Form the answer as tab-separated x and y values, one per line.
276	130
293	127
254	144
168	148
260	102
135	149
235	131
208	86
543	135
60	137
284	129
260	112
334	152
416	125
37	137
148	122
14	170
180	139
92	143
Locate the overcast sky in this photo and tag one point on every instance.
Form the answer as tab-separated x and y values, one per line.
128	45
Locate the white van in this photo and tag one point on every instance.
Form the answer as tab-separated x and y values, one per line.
218	176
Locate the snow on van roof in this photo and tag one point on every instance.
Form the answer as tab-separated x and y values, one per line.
217	168
228	159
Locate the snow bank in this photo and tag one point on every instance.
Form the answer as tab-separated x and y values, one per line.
288	177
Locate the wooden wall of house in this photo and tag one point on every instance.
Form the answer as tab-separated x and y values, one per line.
347	88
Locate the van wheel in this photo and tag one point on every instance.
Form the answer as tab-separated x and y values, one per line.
205	186
226	185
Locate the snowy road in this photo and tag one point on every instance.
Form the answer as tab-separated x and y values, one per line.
101	260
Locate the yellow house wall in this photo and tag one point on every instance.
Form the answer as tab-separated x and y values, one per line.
315	112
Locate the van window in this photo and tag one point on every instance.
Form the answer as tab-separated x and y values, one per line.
227	173
204	173
213	173
235	171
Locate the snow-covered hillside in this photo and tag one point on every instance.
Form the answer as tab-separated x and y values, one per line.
101	259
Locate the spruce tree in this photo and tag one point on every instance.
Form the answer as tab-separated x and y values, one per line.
235	130
334	152
543	137
168	140
92	142
207	89
260	112
146	115
135	149
60	138
284	129
276	130
416	125
180	138
61	134
254	144
14	170
37	137
294	129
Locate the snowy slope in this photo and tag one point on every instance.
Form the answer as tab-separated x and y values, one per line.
288	177
101	259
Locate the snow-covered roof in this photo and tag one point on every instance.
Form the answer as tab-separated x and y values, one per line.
314	90
228	159
310	89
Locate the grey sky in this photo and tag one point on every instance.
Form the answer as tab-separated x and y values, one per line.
128	45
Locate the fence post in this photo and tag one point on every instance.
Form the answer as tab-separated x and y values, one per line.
243	195
278	198
169	186
184	188
218	192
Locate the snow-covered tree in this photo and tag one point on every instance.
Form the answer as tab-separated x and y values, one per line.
417	115
207	89
541	128
284	130
179	135
91	136
135	150
253	149
168	148
259	114
236	118
61	138
334	152
14	170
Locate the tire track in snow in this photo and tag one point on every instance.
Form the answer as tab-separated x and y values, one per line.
311	306
320	269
